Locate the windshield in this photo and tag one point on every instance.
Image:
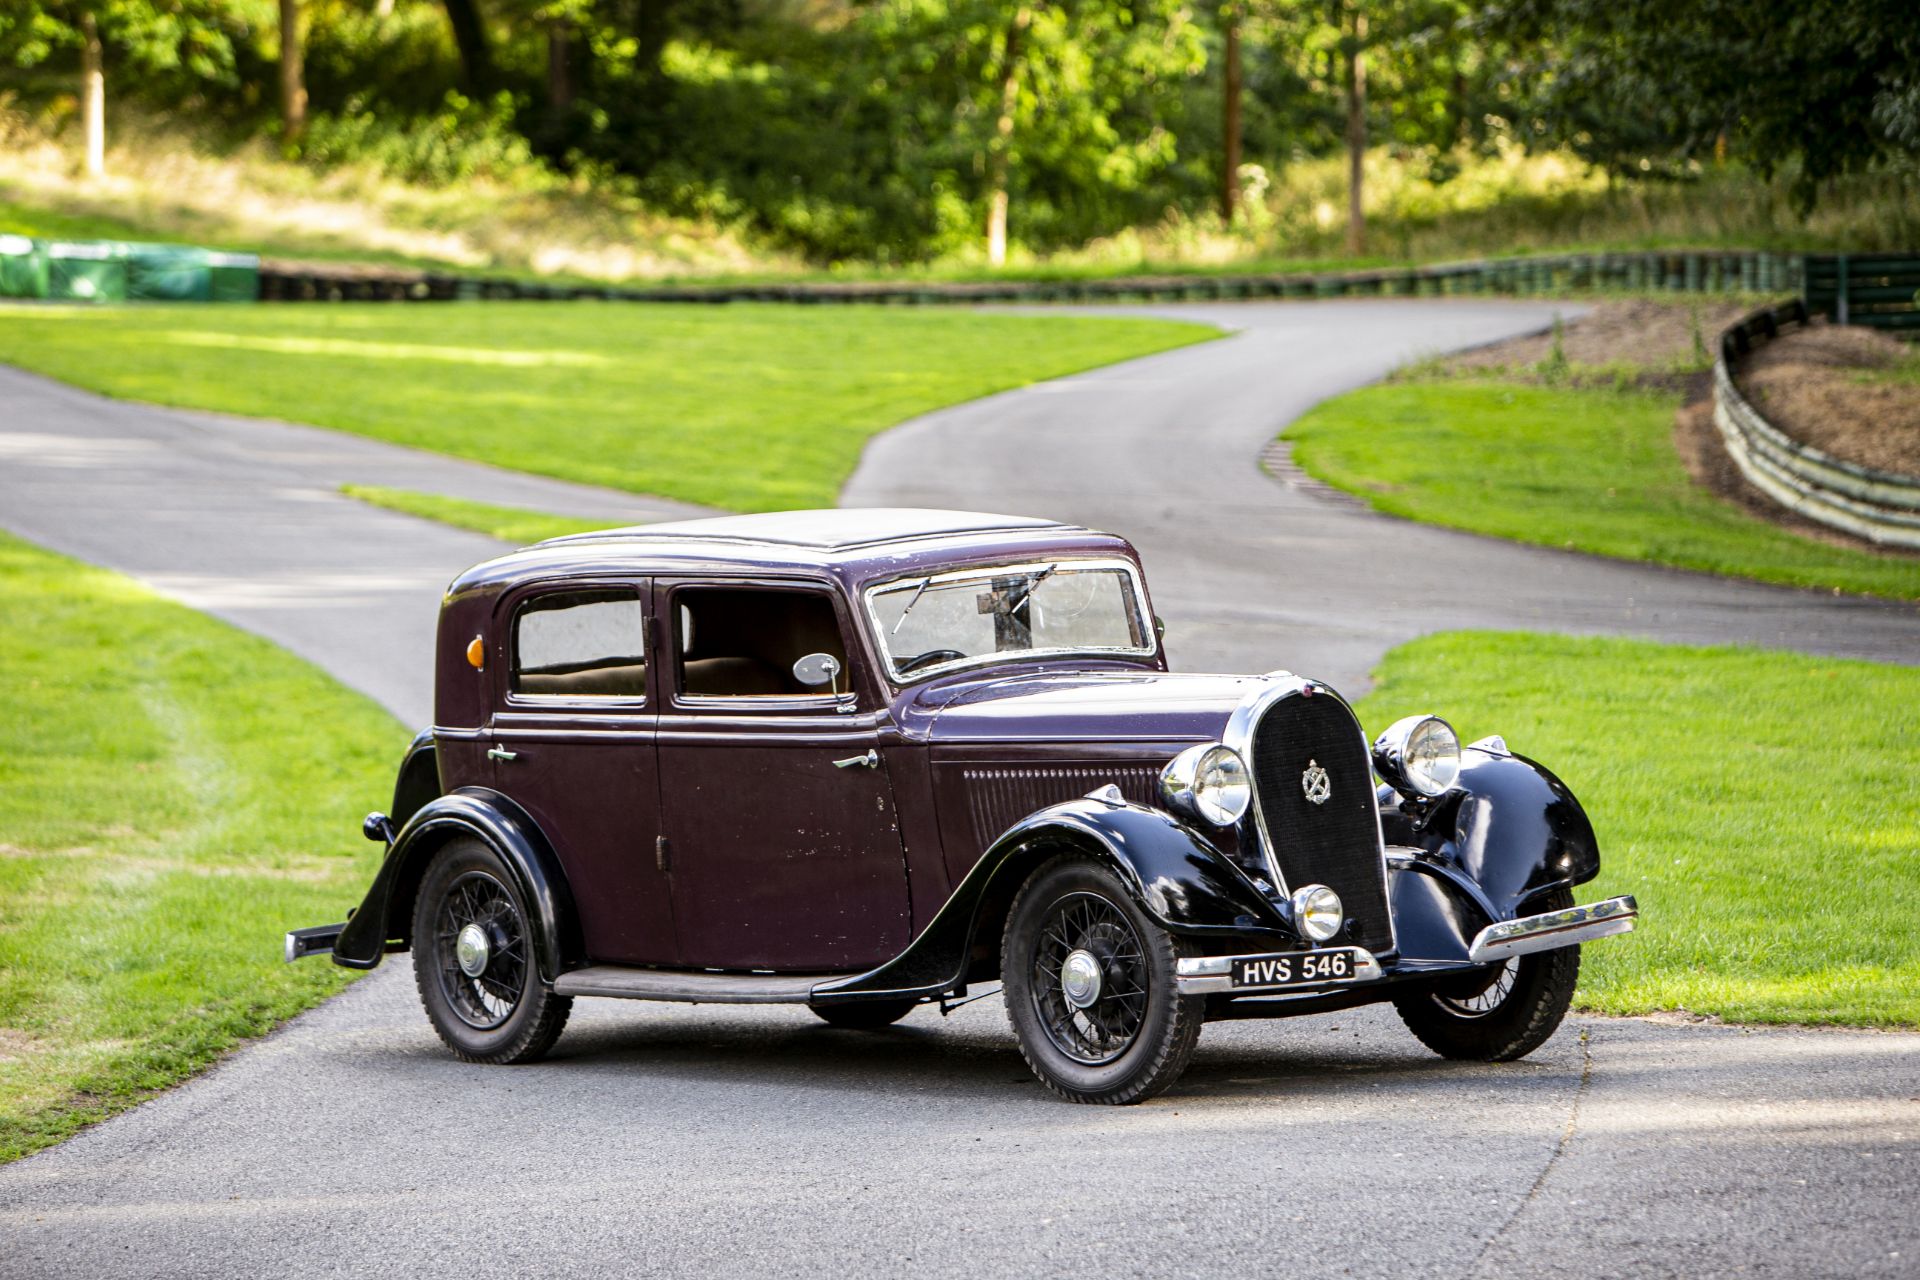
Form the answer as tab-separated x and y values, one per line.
1058	607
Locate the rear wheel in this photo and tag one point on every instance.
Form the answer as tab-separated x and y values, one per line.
1500	1013
867	1015
1089	983
473	960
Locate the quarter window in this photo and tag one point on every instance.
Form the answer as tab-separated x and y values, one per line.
581	644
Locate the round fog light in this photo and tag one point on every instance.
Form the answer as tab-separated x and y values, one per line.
1317	912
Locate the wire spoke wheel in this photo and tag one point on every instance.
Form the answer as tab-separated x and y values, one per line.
1488	999
1089	979
480	950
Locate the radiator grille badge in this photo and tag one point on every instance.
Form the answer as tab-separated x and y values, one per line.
1315	783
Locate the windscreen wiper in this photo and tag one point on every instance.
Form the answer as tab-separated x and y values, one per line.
1033	584
918	592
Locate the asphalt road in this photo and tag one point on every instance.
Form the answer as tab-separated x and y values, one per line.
670	1140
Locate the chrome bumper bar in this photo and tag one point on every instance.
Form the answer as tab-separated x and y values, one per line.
1554	929
1199	975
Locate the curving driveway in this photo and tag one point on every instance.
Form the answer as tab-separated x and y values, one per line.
674	1141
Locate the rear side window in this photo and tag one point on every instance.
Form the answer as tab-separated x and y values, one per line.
581	644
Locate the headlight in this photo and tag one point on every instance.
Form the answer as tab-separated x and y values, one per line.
1420	754
1317	912
1208	782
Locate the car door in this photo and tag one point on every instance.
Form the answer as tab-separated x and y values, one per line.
784	849
573	744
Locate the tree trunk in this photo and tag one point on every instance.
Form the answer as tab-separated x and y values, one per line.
1230	118
93	96
1000	146
470	38
652	27
559	66
293	76
1356	134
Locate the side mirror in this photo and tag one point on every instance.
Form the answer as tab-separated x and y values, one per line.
817	669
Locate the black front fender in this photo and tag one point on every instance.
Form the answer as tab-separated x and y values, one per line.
1509	833
1174	874
384	921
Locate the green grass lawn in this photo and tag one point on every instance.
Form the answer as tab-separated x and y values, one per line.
1760	805
174	795
1592	469
750	407
518	525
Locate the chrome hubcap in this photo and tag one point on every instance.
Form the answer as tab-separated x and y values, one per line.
1080	979
472	950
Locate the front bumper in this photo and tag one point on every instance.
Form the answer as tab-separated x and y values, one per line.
1209	975
1553	929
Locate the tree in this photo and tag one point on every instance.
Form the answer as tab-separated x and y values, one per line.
1353	59
174	50
1822	87
293	82
470	38
1230	95
1000	145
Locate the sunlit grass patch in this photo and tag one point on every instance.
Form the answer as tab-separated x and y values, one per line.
1589	468
751	407
1760	805
517	525
174	795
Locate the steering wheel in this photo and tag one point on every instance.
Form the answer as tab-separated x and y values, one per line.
930	657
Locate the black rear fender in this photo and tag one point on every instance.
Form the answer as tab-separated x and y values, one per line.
384	921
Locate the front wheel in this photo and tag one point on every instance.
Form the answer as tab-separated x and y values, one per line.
473	960
1499	1013
1089	983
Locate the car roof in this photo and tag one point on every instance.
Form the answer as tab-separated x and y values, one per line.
853	546
828	530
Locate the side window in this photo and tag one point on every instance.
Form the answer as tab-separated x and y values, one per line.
743	641
581	644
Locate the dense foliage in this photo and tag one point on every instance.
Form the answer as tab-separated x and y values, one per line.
891	130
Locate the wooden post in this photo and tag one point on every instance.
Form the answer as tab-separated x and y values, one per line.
1230	121
1840	290
93	95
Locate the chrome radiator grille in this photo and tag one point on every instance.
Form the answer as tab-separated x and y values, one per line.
1336	842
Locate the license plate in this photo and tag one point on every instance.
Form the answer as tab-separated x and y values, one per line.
1294	969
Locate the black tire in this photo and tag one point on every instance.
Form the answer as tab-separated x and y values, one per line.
503	1014
1138	1033
867	1015
1501	1013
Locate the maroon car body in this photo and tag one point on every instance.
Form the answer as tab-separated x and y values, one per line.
632	789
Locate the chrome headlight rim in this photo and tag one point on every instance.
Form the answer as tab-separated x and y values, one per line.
1405	758
1209	783
1318	913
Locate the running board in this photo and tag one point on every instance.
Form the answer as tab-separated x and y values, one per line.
692	987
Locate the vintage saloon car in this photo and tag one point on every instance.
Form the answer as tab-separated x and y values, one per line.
867	760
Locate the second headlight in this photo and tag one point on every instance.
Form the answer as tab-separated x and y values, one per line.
1209	782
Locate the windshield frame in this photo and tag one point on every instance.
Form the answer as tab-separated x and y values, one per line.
984	570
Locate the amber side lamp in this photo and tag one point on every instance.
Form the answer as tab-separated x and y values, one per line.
477	653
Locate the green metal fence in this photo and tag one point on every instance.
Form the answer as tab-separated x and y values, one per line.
122	271
1882	290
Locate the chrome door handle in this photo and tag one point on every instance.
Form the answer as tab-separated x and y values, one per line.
871	760
501	753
